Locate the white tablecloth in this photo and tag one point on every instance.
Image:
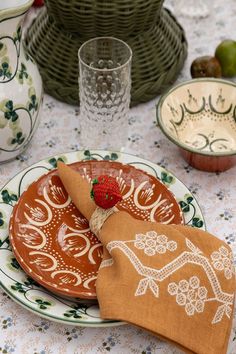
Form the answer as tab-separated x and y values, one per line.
24	332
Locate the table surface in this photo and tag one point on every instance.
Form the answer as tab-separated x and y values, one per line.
24	332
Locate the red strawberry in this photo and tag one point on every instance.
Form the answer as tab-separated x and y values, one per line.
106	192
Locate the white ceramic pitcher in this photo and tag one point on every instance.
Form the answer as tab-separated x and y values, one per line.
20	82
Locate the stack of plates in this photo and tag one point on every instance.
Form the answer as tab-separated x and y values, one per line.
49	258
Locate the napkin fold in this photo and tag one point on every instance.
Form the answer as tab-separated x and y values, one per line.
175	281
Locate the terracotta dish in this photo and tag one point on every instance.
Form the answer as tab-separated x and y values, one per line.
52	240
199	116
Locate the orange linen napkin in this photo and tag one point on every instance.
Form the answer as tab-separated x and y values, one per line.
175	281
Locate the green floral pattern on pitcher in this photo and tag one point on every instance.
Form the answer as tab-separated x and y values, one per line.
21	88
23	75
6	72
2	222
10	114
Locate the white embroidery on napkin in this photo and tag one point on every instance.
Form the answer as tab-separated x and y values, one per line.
146	283
223	309
222	260
153	243
189	293
106	263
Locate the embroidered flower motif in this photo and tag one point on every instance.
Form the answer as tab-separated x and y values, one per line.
223	261
189	294
153	243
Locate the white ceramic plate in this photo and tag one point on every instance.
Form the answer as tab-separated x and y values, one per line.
29	294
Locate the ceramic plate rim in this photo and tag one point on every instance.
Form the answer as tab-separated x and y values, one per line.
75	156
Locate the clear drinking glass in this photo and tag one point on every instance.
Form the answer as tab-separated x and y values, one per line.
104	88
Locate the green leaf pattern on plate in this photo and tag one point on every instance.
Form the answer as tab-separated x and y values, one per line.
188	208
24	289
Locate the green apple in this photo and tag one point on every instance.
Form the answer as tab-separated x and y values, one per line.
226	54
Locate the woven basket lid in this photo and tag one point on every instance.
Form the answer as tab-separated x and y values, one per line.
158	56
93	18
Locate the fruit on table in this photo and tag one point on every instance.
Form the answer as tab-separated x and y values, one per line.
226	54
38	3
206	66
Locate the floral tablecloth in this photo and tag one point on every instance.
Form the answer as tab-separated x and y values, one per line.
24	332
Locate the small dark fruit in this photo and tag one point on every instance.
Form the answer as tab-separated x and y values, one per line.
206	66
38	3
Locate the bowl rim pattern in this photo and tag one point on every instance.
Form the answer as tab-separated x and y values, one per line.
160	123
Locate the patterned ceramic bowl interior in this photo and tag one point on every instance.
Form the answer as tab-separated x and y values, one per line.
200	116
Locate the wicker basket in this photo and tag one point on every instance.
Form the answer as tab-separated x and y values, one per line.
158	56
93	18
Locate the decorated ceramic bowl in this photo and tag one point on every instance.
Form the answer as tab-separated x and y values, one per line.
199	116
